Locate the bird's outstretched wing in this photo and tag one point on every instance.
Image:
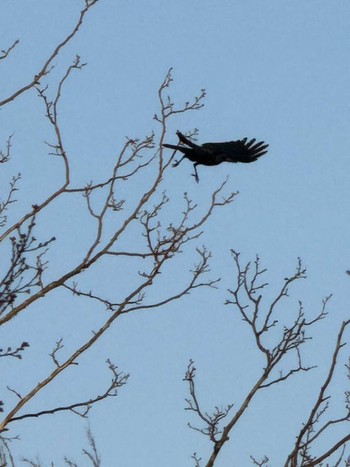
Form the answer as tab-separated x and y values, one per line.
237	151
215	153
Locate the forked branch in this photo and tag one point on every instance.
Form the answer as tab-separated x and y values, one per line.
260	317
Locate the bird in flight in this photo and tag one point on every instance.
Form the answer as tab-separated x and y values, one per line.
214	153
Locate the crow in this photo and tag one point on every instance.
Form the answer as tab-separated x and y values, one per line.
214	153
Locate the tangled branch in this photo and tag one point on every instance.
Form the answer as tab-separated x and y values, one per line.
161	241
247	299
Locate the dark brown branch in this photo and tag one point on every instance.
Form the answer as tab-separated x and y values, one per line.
211	421
4	53
261	463
51	113
11	352
118	380
289	373
315	412
5	155
93	456
260	318
45	68
161	247
9	456
59	345
200	269
328	453
24	272
196	459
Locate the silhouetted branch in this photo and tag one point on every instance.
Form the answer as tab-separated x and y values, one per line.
211	421
5	52
59	345
4	205
167	106
6	458
261	463
11	352
260	318
162	241
308	433
46	67
196	459
22	275
5	155
93	454
119	379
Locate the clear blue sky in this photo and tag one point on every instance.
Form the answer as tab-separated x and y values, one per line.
277	71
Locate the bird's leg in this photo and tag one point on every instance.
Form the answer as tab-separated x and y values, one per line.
195	175
176	163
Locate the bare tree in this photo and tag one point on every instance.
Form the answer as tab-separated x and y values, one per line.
164	233
286	340
27	277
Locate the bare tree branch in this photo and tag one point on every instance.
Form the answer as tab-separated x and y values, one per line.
5	52
162	242
46	67
118	380
260	319
11	352
304	440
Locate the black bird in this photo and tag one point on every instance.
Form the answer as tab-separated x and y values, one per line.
214	153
